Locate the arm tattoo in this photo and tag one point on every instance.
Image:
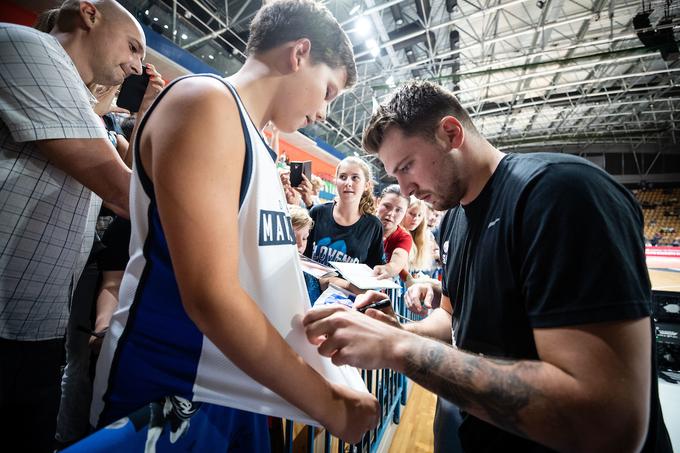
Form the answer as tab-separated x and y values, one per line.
498	388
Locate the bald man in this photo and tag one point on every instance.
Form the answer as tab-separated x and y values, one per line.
53	152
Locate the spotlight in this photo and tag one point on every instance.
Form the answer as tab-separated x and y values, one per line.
363	26
540	4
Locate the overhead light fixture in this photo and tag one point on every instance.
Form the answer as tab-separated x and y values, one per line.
372	46
234	51
399	21
390	82
211	57
166	26
187	14
355	9
146	12
363	26
155	19
184	36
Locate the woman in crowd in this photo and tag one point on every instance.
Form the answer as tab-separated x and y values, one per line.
392	207
346	229
415	223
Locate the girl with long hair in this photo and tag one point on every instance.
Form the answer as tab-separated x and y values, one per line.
346	229
415	223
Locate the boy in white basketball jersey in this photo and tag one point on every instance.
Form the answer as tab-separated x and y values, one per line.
211	238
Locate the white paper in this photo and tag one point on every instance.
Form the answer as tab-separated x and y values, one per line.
361	276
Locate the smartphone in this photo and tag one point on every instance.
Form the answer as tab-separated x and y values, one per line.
297	169
132	91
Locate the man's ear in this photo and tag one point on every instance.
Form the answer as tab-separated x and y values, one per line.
300	52
451	131
88	15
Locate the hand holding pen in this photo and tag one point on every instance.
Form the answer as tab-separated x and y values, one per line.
378	306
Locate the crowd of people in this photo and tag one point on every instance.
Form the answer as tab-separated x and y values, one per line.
149	250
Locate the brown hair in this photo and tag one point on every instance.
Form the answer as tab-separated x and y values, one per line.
282	21
367	202
416	109
394	189
46	20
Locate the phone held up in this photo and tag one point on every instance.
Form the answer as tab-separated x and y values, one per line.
132	91
297	169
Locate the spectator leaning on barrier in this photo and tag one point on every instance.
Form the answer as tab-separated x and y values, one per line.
53	151
346	229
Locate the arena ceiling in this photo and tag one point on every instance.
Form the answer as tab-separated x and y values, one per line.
546	74
563	75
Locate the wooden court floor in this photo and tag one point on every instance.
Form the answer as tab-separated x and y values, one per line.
414	432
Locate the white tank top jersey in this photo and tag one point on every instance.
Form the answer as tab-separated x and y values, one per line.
153	349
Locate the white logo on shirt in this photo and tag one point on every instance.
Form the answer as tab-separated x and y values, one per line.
494	222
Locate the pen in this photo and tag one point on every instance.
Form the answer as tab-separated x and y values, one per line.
376	305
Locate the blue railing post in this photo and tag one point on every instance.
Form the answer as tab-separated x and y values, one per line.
310	439
289	436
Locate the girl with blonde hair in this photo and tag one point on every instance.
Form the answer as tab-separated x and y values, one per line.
346	229
415	222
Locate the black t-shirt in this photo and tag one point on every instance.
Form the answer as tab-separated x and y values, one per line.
114	257
551	241
358	243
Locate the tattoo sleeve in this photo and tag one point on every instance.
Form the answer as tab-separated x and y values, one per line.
499	389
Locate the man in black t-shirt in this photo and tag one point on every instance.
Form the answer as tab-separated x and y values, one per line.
549	322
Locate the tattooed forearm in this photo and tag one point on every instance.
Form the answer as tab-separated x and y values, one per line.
498	389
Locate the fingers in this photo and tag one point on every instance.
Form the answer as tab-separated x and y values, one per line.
329	347
116	109
317	314
156	82
387	318
323	325
412	300
429	295
305	186
367	298
381	273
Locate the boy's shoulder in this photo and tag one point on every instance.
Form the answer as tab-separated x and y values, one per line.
195	98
